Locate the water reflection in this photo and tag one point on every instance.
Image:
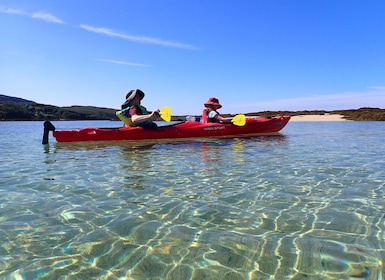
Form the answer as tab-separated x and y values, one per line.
276	137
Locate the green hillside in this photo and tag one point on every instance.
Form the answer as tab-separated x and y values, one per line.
18	109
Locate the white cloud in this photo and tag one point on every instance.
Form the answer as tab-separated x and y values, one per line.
377	87
100	30
47	17
122	62
138	39
37	15
12	11
373	97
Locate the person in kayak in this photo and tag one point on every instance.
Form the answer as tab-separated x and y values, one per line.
210	113
138	114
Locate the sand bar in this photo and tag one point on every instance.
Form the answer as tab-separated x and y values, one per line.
318	118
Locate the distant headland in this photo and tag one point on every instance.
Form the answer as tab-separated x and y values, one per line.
19	109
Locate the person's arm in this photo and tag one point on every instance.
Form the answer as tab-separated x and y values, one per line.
136	118
221	119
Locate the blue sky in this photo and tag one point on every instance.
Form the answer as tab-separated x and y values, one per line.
253	55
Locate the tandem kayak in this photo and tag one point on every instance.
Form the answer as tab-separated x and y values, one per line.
189	129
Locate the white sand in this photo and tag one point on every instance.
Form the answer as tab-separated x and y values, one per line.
318	118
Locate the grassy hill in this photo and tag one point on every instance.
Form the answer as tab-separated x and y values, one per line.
19	109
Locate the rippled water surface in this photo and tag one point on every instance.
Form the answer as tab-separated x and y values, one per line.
305	204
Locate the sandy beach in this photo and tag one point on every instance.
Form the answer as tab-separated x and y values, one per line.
318	118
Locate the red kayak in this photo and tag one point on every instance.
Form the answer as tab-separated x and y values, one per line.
189	129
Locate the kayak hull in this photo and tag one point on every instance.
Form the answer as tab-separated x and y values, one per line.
253	126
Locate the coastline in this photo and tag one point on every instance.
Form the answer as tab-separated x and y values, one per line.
318	118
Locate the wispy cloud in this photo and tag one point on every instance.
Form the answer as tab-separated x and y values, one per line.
122	62
36	15
377	87
138	39
47	17
374	97
12	11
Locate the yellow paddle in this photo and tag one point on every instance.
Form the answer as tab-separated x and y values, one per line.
239	120
165	113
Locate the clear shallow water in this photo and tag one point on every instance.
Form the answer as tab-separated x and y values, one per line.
307	204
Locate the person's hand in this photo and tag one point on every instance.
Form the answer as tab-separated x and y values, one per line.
155	113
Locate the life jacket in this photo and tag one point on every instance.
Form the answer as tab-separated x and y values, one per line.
211	120
127	121
124	116
205	116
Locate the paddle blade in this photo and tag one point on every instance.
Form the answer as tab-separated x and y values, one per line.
165	113
239	120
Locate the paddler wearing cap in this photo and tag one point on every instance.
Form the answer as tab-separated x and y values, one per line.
136	113
211	107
